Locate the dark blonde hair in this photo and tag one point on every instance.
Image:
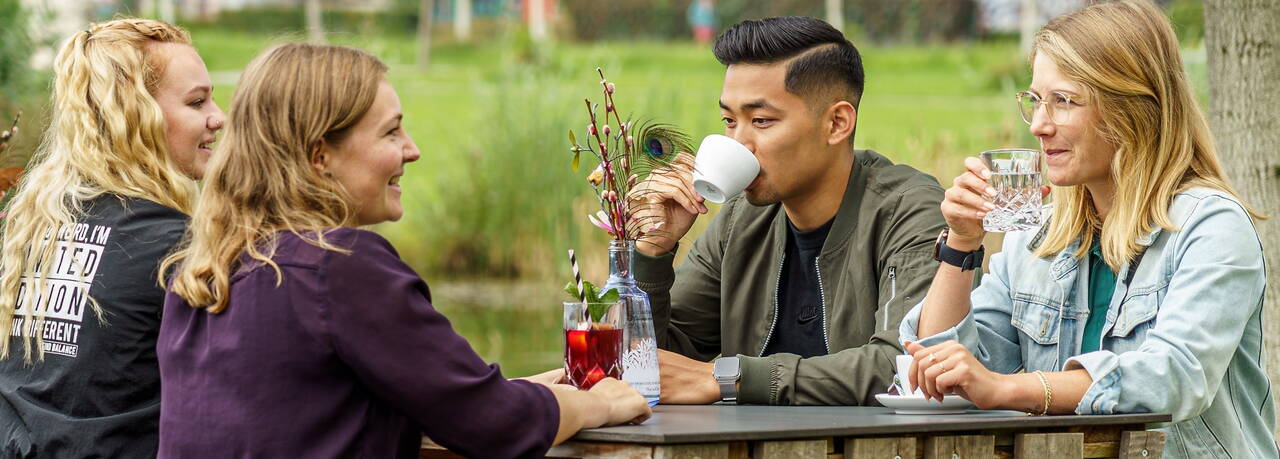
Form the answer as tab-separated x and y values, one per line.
1126	56
291	99
106	135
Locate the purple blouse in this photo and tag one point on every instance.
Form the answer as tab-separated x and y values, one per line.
345	358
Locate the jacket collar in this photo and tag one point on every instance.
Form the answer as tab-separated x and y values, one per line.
1064	262
846	219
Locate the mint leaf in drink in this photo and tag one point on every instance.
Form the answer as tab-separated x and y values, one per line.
610	296
597	311
606	300
588	289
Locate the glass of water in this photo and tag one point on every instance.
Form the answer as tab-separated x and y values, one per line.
1015	174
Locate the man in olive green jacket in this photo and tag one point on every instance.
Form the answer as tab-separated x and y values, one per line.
818	327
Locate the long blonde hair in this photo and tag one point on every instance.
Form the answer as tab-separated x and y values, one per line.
291	99
1126	55
106	135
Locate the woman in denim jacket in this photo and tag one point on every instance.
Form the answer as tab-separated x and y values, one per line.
1143	290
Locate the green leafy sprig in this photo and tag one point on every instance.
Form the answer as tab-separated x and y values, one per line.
598	302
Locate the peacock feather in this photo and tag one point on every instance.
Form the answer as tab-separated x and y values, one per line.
657	145
628	151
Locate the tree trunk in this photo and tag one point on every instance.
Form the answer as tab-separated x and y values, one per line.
538	19
462	20
315	23
147	8
1243	42
167	11
835	14
426	17
1028	24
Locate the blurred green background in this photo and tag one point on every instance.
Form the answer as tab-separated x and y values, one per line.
493	204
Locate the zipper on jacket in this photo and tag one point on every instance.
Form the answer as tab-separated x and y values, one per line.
822	301
777	286
893	294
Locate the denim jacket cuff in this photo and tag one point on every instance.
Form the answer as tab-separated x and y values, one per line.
1104	393
910	323
963	332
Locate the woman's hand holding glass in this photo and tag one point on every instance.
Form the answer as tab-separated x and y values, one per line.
968	200
965	203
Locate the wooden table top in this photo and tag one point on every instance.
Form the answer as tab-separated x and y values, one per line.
674	424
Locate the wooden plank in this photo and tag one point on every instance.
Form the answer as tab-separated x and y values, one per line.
814	449
739	450
431	450
880	448
438	453
960	446
575	449
1143	444
572	449
1101	449
1056	445
697	451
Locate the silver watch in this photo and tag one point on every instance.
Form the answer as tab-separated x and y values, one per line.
727	373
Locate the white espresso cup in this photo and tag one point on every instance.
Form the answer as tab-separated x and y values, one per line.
723	168
903	363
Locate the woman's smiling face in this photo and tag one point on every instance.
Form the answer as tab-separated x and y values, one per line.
1075	151
370	160
191	118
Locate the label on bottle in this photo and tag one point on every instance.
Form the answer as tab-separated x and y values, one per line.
640	368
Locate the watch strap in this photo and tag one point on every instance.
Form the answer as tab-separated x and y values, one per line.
728	390
966	261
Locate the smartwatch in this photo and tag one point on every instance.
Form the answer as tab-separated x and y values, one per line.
966	261
727	373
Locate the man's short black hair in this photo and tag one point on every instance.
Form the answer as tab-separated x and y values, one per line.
824	57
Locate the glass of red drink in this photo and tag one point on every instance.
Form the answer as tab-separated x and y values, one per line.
593	342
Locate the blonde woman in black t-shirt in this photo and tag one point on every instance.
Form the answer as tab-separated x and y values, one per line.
106	196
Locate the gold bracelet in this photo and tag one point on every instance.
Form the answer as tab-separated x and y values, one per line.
1048	393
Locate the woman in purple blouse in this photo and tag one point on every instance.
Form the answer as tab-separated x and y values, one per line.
287	332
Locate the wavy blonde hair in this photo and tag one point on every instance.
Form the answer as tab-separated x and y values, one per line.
292	99
1126	56
106	135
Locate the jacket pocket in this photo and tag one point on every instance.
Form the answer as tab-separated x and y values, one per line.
1037	317
1137	315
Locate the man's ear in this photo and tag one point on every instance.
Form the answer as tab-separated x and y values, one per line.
841	119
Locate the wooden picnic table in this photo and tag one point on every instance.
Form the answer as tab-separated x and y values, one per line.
828	432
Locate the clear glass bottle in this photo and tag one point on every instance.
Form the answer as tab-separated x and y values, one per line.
640	359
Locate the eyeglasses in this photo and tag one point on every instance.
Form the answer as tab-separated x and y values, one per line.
1058	105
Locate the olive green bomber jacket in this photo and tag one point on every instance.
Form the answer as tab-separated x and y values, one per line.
876	263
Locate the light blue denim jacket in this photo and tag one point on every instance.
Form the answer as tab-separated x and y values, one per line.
1183	333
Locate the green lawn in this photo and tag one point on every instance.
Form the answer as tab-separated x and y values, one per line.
493	196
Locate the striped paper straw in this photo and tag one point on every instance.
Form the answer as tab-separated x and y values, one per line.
577	277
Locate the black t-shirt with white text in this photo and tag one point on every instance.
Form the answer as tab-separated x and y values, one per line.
96	392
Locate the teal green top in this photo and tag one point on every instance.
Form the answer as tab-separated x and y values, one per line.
1102	283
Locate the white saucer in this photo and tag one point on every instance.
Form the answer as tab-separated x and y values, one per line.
911	404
